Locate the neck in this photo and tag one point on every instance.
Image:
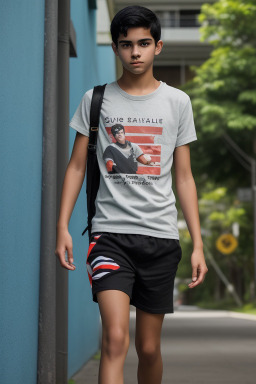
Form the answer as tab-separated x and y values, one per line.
138	84
124	145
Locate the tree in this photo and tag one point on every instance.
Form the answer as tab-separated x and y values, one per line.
223	91
223	95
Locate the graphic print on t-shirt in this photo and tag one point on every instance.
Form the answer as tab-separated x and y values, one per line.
133	150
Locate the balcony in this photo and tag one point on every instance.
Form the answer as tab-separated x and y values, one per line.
179	26
180	35
179	18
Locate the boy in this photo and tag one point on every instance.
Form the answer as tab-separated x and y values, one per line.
134	249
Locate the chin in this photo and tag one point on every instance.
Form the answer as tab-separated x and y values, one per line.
139	71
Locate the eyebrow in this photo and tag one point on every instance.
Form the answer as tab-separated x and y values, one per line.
139	41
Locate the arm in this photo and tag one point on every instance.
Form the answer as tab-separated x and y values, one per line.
142	159
186	190
72	184
146	160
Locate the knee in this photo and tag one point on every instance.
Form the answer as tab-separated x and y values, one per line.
148	352
115	342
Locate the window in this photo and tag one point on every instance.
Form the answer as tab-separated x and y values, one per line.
188	19
179	19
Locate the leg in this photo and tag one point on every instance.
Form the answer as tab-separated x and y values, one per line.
114	308
147	342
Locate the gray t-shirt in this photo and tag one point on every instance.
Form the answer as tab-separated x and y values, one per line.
135	194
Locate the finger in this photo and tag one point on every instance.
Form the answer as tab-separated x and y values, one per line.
194	284
194	273
70	254
198	281
68	266
63	262
70	257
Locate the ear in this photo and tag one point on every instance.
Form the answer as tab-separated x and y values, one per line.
159	47
114	49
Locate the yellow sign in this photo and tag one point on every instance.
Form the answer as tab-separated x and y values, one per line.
226	243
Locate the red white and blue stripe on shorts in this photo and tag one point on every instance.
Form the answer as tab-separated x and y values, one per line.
101	265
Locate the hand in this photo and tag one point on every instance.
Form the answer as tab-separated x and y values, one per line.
155	163
64	242
199	267
147	158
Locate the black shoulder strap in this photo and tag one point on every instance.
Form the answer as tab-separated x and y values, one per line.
93	173
97	98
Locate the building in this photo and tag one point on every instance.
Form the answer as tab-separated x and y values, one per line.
49	57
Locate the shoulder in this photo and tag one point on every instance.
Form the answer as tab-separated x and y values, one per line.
136	147
109	150
87	96
133	145
176	95
111	147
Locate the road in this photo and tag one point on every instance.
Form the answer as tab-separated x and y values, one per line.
198	346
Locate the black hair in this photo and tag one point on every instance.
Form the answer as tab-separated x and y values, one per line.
116	128
135	16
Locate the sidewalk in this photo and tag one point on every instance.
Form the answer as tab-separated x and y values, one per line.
194	341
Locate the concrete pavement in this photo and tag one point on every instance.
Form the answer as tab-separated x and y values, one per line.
198	346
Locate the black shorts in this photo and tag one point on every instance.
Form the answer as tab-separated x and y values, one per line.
144	267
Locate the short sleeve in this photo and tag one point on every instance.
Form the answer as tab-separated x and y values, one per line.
186	129
81	118
138	151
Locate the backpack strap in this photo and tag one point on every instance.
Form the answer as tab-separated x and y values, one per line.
97	98
93	172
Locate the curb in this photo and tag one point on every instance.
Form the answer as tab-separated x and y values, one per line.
204	314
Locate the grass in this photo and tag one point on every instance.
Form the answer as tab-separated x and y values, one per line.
97	355
247	308
228	305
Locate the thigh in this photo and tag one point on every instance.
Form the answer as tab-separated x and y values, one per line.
148	330
156	267
108	264
114	308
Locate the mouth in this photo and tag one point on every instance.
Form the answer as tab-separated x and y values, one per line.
136	62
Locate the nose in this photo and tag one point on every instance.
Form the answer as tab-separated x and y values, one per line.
135	52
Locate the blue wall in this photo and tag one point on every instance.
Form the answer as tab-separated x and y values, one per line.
94	65
21	111
21	104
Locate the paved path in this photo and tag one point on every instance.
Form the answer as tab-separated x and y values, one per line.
198	346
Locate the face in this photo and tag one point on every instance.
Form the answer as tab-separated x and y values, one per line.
137	50
120	137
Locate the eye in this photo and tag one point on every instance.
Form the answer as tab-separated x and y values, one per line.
126	45
144	44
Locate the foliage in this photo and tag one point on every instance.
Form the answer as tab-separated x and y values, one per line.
229	22
223	91
223	95
247	308
219	209
97	355
226	214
